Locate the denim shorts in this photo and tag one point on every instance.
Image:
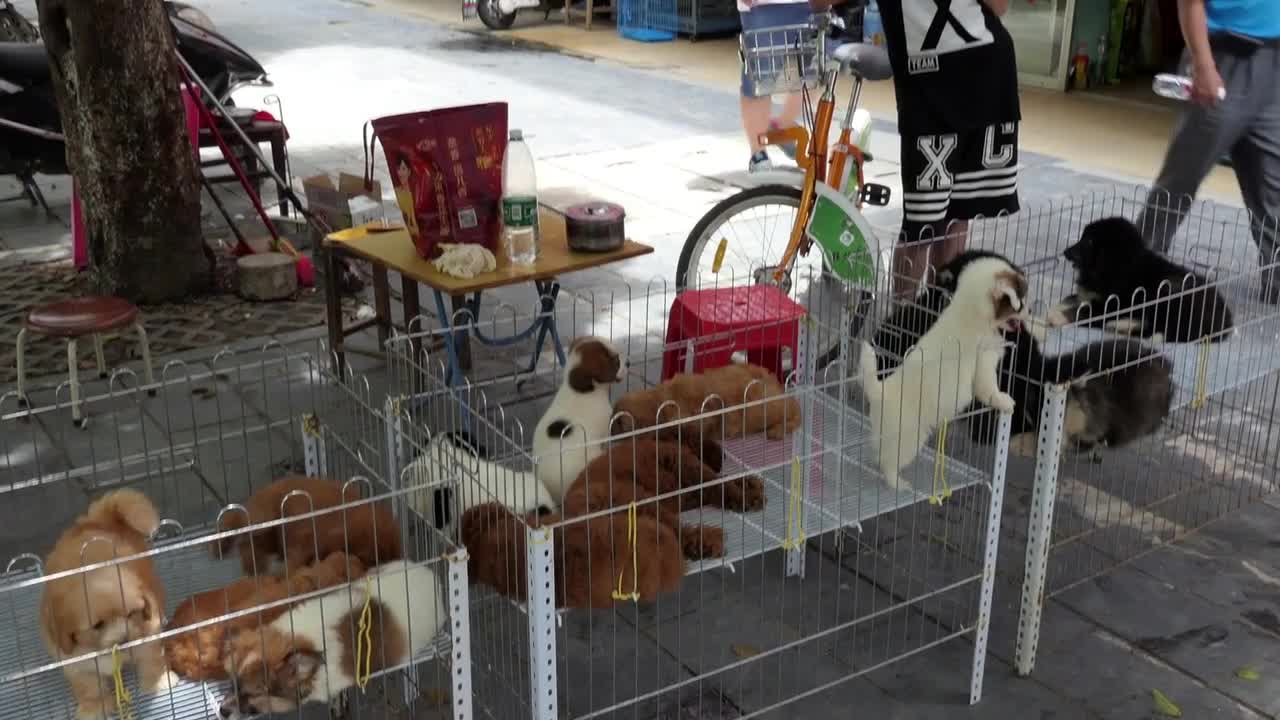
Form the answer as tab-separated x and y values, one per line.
764	17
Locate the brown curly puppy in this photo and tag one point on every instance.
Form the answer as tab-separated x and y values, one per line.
198	655
590	556
729	388
637	469
368	531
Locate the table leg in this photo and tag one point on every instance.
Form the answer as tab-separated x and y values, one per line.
333	306
412	309
280	161
452	338
471	314
382	303
548	290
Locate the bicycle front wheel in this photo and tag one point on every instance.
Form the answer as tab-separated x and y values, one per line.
742	240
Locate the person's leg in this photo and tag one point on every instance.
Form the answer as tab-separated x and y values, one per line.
1201	137
755	119
1256	158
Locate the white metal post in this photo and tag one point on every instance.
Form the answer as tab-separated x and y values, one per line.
1040	526
394	427
541	605
460	635
312	446
994	515
803	446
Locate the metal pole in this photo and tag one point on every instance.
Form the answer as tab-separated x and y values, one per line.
994	514
542	622
460	635
1040	527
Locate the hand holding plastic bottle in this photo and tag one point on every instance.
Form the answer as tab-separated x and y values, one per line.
1206	84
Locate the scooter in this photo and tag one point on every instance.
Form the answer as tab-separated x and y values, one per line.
501	14
31	139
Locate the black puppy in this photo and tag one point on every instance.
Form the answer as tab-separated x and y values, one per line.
1138	291
1128	397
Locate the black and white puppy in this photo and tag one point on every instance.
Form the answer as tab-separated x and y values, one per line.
1140	292
572	431
1128	398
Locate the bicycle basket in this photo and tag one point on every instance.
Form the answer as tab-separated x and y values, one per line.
782	59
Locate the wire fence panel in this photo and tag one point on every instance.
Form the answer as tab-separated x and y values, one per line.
192	539
613	589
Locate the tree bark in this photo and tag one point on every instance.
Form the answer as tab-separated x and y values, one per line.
117	82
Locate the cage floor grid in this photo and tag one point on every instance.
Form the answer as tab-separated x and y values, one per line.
842	488
45	696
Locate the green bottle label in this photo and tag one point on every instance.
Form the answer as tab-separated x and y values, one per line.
519	211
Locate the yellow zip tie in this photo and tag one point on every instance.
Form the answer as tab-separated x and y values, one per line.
718	261
940	469
634	595
364	638
1202	376
123	699
795	505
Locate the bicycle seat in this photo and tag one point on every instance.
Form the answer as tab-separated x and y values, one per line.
869	62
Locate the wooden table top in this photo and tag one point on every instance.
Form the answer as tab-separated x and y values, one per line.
394	250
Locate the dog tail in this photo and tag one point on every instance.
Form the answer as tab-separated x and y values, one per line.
231	520
127	507
867	369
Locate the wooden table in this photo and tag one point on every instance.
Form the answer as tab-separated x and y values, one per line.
387	250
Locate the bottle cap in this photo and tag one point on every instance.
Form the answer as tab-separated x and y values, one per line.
515	135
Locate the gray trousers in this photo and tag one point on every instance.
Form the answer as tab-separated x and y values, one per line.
1247	125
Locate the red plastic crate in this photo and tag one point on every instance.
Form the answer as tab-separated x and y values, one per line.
759	320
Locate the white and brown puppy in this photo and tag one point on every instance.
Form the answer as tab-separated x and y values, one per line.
953	364
572	431
309	654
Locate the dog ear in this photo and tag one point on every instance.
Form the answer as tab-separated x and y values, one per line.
1004	297
442	505
580	379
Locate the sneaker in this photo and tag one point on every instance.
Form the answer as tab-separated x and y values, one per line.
789	148
760	162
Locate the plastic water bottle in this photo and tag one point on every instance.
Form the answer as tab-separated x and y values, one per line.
519	202
872	25
1178	87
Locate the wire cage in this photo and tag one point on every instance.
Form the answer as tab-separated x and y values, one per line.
619	594
192	451
662	20
1124	444
783	59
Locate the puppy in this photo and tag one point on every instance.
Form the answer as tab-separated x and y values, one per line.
369	531
197	655
640	468
99	609
309	654
1115	272
570	433
471	481
725	393
592	557
953	364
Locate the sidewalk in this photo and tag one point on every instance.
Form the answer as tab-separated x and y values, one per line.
1102	135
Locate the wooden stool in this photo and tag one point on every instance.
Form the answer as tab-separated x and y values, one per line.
73	319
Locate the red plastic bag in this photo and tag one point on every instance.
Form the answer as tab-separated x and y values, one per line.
446	167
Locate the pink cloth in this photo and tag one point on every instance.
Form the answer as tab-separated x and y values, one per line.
79	237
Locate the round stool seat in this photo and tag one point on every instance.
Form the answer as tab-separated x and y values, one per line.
82	316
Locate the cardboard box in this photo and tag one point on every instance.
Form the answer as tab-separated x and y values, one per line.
344	205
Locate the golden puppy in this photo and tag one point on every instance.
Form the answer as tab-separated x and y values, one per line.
369	531
99	609
197	655
727	388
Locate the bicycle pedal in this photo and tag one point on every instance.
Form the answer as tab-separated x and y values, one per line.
875	194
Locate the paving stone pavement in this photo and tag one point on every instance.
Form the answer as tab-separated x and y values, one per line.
1180	620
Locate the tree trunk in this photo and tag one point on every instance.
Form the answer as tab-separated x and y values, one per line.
117	82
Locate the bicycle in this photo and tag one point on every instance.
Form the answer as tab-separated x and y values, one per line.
795	59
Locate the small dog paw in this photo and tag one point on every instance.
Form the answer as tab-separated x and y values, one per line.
1002	402
1057	317
1023	445
894	481
339	706
745	495
166	682
96	709
702	542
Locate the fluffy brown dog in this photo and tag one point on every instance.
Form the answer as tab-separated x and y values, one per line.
109	606
640	468
198	655
369	531
589	556
727	388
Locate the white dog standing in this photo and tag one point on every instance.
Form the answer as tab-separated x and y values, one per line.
573	430
956	362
